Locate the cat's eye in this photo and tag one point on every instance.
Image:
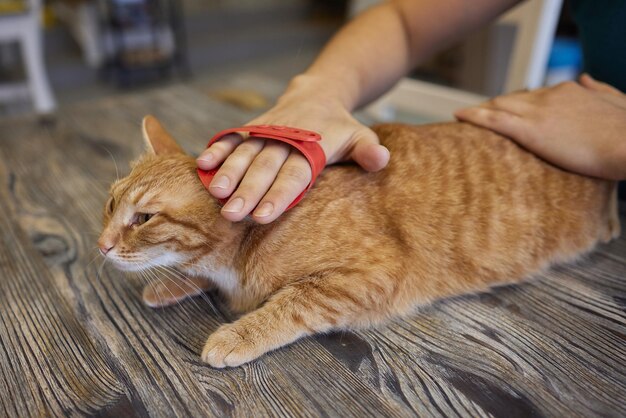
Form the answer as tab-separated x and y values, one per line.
110	205
142	218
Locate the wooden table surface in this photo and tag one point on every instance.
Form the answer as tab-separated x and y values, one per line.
78	341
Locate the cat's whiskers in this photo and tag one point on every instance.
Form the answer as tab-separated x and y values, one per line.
187	280
117	173
178	300
142	272
94	258
144	276
96	180
154	275
99	271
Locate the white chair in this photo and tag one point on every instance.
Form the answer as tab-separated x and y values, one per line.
534	23
24	28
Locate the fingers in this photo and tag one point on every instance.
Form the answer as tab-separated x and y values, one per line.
258	176
369	154
613	95
589	82
269	189
503	114
519	102
214	155
235	167
501	121
293	178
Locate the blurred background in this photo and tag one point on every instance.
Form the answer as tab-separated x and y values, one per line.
54	53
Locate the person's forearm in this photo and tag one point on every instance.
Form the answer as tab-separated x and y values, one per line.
373	51
365	58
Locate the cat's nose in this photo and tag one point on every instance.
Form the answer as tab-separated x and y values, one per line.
104	249
106	242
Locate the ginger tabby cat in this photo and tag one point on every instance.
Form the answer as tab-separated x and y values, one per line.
457	210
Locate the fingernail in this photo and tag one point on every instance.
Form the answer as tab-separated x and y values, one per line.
221	182
208	157
234	205
266	209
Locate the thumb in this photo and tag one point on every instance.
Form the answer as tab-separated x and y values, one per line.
368	153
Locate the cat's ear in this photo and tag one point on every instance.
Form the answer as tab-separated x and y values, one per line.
158	140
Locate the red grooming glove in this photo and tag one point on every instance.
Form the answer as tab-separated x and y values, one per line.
304	141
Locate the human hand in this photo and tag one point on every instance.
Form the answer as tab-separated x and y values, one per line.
265	176
580	127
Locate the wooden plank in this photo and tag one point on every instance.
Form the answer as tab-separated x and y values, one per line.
49	364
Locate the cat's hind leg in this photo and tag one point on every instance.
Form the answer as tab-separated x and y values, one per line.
170	290
307	307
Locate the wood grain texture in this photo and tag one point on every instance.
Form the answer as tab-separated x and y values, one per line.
76	340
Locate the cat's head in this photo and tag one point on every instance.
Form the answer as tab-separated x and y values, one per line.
160	214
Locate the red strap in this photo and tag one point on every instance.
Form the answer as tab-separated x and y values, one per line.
304	141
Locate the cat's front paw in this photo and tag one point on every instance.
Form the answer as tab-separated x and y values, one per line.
230	346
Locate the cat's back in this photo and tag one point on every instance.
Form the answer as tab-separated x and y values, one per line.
457	156
465	165
461	165
471	173
470	192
